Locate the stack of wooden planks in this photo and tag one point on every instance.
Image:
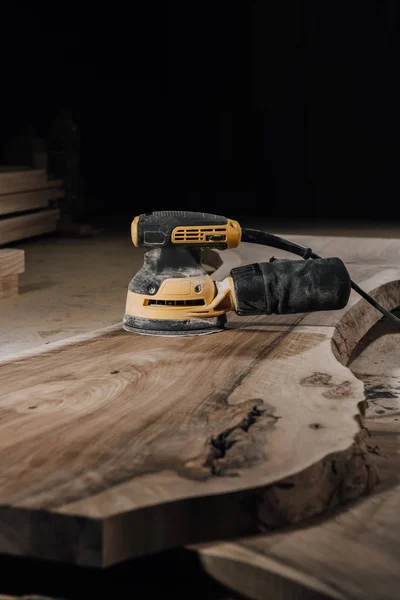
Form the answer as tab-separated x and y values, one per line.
25	197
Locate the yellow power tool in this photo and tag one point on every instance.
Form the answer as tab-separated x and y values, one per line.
173	295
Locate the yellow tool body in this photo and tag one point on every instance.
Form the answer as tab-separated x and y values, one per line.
173	295
184	298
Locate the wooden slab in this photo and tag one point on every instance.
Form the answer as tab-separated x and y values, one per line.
352	553
24	201
24	226
8	286
14	180
12	261
119	444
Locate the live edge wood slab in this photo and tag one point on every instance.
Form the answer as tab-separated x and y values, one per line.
115	445
351	552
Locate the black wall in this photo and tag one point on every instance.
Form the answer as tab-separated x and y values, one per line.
269	107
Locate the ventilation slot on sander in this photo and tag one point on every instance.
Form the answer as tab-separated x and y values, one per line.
187	235
197	302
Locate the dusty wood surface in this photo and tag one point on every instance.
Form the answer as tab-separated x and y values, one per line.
24	201
69	287
353	553
120	444
28	225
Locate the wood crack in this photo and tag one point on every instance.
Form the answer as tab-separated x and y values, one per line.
218	459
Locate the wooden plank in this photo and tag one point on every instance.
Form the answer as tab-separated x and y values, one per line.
13	181
121	444
18	181
352	553
12	261
8	286
24	201
24	226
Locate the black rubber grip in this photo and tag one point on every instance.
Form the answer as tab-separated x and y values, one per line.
291	286
155	228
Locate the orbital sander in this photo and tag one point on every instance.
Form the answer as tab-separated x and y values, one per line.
173	295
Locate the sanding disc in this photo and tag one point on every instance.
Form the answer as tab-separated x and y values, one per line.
174	328
161	332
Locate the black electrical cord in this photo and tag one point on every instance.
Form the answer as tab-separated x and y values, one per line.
255	236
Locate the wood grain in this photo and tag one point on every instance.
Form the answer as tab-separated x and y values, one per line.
352	553
8	286
14	180
12	261
24	201
119	444
24	226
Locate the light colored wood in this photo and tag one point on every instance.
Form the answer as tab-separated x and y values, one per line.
257	576
70	287
352	553
12	261
8	286
121	444
13	181
24	226
24	201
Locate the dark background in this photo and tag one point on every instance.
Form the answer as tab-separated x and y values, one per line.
270	108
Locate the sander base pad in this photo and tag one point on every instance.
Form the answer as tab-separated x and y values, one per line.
174	328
